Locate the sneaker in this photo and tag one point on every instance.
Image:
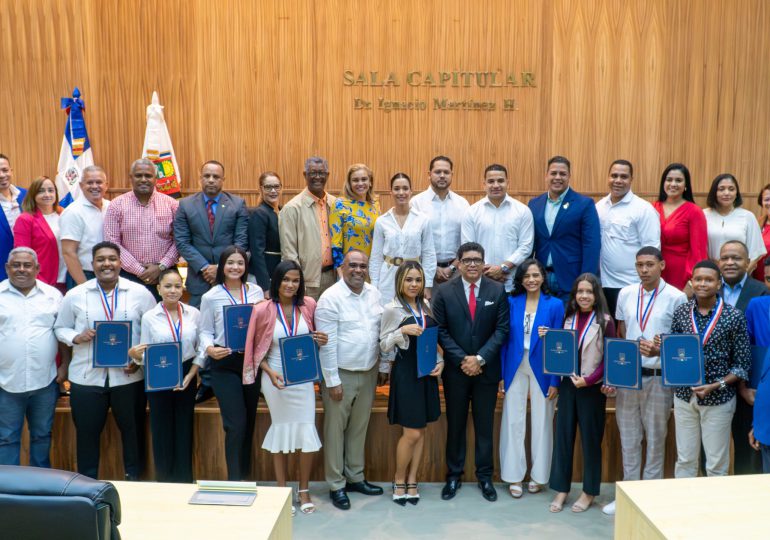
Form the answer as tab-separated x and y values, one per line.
609	509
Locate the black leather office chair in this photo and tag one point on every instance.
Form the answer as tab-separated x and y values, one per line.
47	503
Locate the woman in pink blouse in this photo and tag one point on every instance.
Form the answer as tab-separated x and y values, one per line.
683	231
763	200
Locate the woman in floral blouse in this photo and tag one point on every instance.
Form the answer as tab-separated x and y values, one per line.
352	219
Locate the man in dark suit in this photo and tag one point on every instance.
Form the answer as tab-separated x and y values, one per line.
567	231
10	199
738	288
473	321
205	224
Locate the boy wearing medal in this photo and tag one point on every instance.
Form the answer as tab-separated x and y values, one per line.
704	413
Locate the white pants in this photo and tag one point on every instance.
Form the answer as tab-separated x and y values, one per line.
709	423
513	455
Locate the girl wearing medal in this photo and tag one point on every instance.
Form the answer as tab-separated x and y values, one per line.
237	398
581	401
413	402
292	408
171	411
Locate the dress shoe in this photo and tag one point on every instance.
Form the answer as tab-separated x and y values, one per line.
450	489
205	393
340	499
488	490
364	488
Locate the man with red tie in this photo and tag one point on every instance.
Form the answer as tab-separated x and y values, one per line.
473	320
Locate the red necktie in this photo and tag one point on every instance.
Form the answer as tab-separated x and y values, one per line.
472	301
210	211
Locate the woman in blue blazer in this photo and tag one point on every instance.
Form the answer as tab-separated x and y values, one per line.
522	363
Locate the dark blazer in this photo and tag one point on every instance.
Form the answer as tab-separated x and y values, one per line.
461	337
575	240
195	241
263	237
6	235
550	313
751	289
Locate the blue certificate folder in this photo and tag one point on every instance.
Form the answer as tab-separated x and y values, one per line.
236	320
759	364
163	366
560	352
111	344
427	351
681	360
299	356
622	363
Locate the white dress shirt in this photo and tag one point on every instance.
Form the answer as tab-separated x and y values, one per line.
446	219
29	346
740	224
413	241
83	222
352	322
212	326
54	223
156	329
627	226
507	232
82	306
667	299
11	207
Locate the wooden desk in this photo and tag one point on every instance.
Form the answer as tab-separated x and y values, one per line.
153	510
717	507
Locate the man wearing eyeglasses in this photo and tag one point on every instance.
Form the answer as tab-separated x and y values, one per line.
473	321
303	226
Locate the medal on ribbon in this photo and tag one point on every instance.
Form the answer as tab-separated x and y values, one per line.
712	323
176	329
290	330
585	330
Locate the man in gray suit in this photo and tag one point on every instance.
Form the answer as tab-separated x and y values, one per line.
205	224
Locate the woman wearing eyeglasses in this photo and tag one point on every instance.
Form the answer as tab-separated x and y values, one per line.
264	241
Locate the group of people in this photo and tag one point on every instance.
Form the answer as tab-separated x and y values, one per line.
493	276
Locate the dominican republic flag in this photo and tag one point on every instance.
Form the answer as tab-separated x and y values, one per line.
159	150
75	154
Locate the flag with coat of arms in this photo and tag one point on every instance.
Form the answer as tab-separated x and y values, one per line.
159	150
75	154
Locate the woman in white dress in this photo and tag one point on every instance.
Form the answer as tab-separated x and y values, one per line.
401	234
292	408
727	221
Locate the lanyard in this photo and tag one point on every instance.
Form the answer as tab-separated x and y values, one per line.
290	331
176	329
643	314
585	330
711	325
109	308
419	320
232	299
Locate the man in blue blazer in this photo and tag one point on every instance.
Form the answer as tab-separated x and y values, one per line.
567	231
10	199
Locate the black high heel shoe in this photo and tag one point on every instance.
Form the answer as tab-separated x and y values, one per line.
399	499
412	499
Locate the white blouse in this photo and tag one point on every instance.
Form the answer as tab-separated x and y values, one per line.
212	326
740	224
156	329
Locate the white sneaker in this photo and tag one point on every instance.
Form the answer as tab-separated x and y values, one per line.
609	509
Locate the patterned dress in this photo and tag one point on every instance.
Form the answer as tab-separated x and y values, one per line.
351	223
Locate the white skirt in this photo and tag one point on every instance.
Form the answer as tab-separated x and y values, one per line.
292	415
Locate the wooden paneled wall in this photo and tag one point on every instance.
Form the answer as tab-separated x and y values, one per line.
258	84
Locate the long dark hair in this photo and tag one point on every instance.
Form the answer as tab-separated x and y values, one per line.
711	198
231	250
401	273
518	277
600	302
280	271
687	195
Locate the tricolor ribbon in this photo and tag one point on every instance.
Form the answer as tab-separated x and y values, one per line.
643	314
290	331
108	307
233	301
717	312
176	329
418	319
585	330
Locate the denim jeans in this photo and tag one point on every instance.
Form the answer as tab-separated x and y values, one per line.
38	406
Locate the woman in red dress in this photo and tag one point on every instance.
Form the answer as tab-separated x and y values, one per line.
683	232
764	221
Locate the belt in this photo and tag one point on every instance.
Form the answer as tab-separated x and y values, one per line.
328	268
445	264
647	372
397	261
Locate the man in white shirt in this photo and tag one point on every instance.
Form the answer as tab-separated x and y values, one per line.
28	377
82	224
446	210
503	225
644	311
628	224
349	312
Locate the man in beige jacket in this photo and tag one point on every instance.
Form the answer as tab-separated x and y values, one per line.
303	226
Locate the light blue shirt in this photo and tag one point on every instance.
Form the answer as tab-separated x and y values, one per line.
731	294
214	206
551	210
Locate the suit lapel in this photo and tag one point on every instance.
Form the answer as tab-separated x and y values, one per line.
222	207
563	209
200	211
538	321
459	290
41	222
519	308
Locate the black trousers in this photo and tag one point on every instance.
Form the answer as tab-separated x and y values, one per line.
746	459
584	407
171	425
460	391
238	407
611	295
89	413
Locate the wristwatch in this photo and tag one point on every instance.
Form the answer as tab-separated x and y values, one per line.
722	384
505	269
481	360
162	267
452	268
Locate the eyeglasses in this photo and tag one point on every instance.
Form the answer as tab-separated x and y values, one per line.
272	188
317	174
473	261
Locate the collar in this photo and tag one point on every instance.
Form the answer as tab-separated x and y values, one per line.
349	292
206	198
14	193
625	200
558	201
412	210
467	284
738	286
661	285
6	285
86	202
506	200
123	284
149	201
314	199
434	196
693	306
158	309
